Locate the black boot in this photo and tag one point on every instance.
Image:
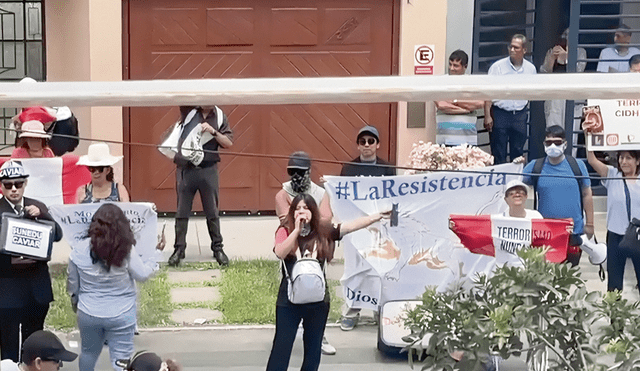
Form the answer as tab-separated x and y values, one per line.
213	225
174	259
180	244
221	257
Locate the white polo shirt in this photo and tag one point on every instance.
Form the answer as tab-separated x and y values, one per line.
505	67
612	53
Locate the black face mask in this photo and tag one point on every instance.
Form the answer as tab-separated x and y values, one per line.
300	182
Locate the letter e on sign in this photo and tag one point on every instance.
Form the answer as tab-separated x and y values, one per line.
423	59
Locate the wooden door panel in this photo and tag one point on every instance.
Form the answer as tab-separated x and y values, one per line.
347	26
176	27
196	39
230	26
294	26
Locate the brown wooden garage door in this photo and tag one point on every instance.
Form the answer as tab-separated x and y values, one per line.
195	39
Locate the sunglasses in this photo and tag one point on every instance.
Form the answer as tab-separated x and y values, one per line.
557	142
516	191
58	362
365	141
99	169
10	185
293	172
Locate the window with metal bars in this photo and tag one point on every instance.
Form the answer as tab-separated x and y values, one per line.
23	52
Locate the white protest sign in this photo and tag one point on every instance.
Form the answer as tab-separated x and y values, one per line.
613	124
45	179
26	237
75	220
385	262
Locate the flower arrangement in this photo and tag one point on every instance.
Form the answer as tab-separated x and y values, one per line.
429	156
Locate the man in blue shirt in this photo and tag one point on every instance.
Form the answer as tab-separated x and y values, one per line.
506	120
563	197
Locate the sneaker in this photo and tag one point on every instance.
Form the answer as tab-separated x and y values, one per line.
221	257
349	323
327	349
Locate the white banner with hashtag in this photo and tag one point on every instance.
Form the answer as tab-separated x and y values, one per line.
396	259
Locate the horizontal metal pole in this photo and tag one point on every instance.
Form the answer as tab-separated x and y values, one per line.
270	91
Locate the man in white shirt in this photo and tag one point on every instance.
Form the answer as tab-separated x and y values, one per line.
506	120
616	59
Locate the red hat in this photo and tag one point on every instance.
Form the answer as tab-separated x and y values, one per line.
36	114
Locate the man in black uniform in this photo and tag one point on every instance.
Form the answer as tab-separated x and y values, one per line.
25	284
198	171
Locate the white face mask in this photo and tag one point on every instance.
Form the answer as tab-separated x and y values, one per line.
555	151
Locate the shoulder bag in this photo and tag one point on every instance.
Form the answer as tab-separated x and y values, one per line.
631	239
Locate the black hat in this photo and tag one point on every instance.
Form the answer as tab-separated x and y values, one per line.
299	160
47	346
141	361
369	130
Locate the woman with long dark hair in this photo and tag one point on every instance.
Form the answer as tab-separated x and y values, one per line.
623	204
303	235
102	271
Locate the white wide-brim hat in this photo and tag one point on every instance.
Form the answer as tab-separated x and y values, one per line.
33	129
98	155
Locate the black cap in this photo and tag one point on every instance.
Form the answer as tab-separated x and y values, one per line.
47	346
146	362
369	130
299	160
141	361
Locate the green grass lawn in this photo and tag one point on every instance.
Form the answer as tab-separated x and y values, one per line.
248	292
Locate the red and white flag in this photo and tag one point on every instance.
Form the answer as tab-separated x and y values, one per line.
501	237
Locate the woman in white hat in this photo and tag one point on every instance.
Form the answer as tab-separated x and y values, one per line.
102	187
35	143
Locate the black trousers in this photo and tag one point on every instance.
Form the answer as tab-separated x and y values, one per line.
616	261
314	319
32	319
190	180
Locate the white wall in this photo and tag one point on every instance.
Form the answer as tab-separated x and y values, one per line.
459	28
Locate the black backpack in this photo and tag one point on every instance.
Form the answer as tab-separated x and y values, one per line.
537	169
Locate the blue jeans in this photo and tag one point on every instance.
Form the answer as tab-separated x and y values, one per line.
118	331
508	127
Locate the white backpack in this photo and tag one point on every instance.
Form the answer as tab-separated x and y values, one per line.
307	283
